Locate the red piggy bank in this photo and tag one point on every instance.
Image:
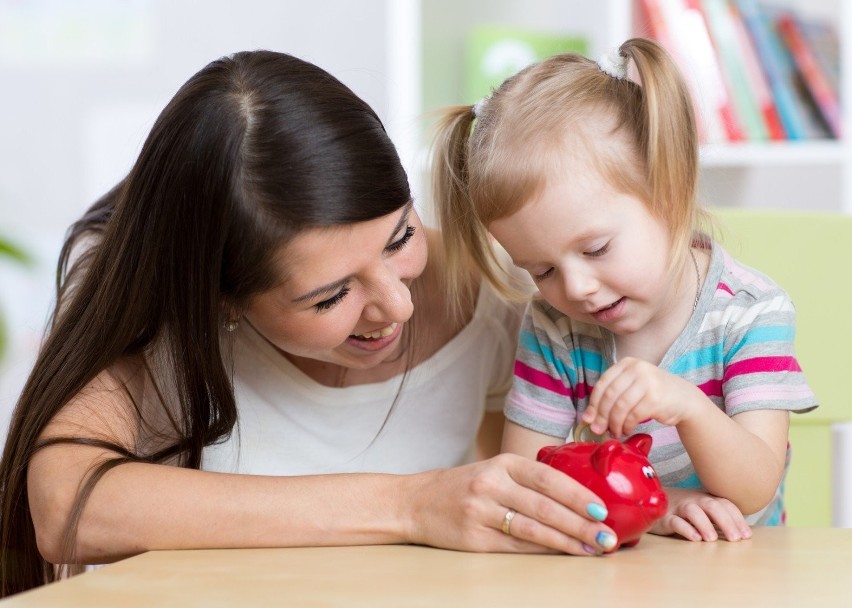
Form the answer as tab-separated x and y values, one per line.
621	475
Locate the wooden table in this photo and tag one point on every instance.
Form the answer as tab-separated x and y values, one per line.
808	567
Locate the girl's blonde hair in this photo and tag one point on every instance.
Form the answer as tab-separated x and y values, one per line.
564	113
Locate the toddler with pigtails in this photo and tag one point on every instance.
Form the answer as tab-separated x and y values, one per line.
585	173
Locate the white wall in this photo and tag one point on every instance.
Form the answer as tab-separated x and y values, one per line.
81	82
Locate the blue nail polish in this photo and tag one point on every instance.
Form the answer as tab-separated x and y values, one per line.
597	511
605	540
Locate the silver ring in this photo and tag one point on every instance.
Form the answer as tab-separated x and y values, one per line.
507	522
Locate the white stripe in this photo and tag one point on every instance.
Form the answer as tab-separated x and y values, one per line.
744	316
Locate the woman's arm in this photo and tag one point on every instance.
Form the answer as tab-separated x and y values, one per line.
140	507
137	507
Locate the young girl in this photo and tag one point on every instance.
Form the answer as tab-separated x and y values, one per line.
587	177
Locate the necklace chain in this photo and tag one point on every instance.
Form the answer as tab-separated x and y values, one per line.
697	280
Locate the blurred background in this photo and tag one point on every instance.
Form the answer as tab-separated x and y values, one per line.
81	82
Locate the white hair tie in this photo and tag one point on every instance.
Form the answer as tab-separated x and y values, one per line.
477	107
614	64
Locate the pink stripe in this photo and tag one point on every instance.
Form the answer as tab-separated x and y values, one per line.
712	388
749	278
756	365
723	287
582	390
537	409
665	436
540	379
767	392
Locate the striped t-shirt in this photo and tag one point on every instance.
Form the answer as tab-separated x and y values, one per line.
737	348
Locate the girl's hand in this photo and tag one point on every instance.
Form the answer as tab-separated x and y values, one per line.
698	516
632	391
464	508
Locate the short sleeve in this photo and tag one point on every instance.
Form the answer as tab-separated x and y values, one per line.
541	397
507	322
760	368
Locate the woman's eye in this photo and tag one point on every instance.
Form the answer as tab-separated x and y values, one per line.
402	241
598	252
332	301
541	276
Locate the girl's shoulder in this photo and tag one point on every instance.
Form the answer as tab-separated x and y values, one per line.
741	282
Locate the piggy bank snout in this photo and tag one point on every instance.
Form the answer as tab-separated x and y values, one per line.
654	506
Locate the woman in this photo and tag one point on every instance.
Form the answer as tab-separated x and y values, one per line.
262	250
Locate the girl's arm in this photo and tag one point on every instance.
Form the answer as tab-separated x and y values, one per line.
526	442
692	514
137	507
738	457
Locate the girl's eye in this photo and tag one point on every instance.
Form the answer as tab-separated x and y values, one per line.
403	240
332	301
598	252
542	276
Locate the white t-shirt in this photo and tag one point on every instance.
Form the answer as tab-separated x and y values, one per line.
288	424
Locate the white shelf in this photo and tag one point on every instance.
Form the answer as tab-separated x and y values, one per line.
767	154
813	174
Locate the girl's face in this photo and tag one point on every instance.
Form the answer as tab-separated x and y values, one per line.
345	296
596	255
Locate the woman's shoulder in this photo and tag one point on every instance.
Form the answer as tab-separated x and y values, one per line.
106	405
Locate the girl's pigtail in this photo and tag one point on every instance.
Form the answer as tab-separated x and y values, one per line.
462	232
670	138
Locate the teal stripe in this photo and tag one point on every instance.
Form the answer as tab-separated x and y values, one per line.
697	359
587	360
529	342
775	519
760	335
690	483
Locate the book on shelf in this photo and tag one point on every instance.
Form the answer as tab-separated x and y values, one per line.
495	52
795	108
816	80
731	54
822	38
756	71
680	28
757	80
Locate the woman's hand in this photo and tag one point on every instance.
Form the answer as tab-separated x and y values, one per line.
465	508
634	390
698	516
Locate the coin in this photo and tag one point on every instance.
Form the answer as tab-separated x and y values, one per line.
583	432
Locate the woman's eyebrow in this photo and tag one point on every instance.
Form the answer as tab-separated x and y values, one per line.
325	289
337	285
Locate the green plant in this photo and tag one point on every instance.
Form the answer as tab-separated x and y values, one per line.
9	250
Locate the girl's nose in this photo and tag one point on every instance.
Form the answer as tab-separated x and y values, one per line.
579	284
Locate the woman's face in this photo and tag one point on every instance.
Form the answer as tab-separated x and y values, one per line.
345	295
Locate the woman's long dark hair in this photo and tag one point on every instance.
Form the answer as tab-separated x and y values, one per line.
252	149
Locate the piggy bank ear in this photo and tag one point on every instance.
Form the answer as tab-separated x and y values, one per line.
641	442
545	452
604	455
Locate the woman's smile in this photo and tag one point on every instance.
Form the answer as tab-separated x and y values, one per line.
376	340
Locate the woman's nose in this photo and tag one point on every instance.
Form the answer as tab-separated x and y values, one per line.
390	301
